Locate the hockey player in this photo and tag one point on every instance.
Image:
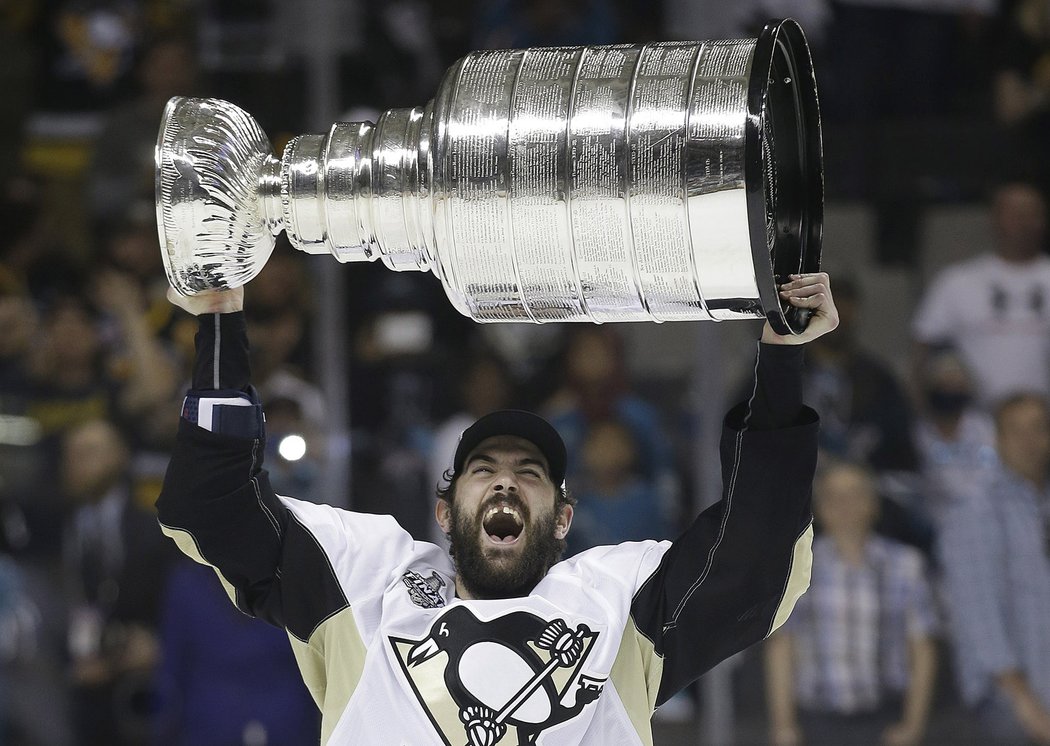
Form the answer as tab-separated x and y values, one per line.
501	642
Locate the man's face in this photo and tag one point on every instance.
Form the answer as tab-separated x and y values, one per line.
1021	221
845	502
504	529
93	460
1024	437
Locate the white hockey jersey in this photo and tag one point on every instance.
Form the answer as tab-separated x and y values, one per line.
564	665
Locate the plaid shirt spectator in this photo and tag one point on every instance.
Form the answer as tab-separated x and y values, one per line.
993	554
851	629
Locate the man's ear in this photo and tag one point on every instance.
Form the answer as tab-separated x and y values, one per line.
443	514
561	528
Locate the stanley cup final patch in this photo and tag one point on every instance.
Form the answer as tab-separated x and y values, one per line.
503	681
425	592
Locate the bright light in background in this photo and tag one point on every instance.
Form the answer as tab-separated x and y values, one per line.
292	447
19	431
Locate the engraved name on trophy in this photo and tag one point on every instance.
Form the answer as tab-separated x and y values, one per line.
668	181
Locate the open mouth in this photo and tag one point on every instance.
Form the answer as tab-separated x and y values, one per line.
503	524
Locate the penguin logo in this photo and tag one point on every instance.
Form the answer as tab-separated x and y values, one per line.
503	681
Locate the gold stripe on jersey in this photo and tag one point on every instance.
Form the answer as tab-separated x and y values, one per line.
337	641
637	662
798	577
188	545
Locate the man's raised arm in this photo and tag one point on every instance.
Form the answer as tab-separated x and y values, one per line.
217	503
736	572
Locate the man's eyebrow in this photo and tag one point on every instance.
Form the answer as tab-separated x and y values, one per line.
480	457
526	461
532	462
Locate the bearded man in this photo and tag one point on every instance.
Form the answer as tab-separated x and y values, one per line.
497	641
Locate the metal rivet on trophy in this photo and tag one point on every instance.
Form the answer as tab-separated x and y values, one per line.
656	182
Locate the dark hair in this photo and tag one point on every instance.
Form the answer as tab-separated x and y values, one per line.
447	491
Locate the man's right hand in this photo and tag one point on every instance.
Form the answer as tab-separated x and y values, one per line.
210	301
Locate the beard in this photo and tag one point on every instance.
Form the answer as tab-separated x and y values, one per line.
489	573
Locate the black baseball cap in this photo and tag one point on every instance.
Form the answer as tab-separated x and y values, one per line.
521	424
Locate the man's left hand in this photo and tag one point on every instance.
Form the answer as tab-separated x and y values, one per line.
812	291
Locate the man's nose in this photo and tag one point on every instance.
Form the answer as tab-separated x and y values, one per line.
505	483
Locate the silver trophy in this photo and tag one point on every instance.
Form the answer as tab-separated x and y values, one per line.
662	182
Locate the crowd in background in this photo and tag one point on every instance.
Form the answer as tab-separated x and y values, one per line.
932	503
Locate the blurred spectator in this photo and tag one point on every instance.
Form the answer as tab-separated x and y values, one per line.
225	679
956	439
996	573
136	361
139	363
866	417
129	250
20	469
995	308
18	319
1022	85
19	620
409	344
87	50
93	355
122	168
485	386
855	662
34	700
594	388
279	306
25	256
66	366
615	503
129	245
865	414
116	560
530	352
32	629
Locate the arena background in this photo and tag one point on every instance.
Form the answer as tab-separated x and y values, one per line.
372	369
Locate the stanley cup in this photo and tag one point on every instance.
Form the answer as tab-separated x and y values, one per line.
669	181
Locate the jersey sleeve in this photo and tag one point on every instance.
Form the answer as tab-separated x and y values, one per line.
360	550
290	563
217	505
734	575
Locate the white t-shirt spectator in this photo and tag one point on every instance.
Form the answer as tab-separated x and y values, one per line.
997	314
